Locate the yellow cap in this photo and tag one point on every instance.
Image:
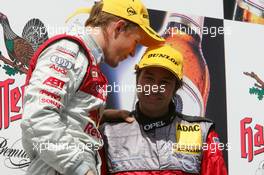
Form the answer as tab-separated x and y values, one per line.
134	11
165	57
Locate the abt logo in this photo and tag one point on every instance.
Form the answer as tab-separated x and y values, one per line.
10	103
54	82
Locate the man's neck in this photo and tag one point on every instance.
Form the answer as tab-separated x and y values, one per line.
154	114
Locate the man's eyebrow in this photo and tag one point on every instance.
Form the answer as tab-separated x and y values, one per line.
168	78
149	73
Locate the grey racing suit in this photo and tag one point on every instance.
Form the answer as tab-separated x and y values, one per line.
173	144
63	99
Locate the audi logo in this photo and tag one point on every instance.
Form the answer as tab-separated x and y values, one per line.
61	62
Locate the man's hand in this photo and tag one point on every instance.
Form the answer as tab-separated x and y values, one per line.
113	115
126	116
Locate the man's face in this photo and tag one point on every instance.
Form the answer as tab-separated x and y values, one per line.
122	44
151	100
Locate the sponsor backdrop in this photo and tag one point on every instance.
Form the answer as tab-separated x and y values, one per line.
25	25
245	91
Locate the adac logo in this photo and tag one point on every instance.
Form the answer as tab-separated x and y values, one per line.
131	11
258	88
188	128
188	138
21	49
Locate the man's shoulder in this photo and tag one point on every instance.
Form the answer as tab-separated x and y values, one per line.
63	45
68	46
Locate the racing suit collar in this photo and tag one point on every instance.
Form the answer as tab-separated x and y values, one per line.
89	41
149	123
95	49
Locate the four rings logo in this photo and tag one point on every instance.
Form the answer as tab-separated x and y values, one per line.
61	62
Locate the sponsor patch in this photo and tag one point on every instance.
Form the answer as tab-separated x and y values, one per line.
161	55
91	130
94	74
188	128
50	94
131	11
190	149
50	101
61	62
66	51
58	69
54	82
153	125
188	139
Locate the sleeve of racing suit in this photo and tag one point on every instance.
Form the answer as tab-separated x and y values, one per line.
56	78
213	162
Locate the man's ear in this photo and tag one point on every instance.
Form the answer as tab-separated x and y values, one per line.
119	27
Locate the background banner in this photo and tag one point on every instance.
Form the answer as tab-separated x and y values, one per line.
251	11
245	91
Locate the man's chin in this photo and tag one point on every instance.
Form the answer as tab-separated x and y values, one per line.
152	111
112	64
151	105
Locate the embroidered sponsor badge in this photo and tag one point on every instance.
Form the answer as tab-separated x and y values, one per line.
61	62
54	82
188	139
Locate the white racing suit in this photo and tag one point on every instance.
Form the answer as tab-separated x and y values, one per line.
64	94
